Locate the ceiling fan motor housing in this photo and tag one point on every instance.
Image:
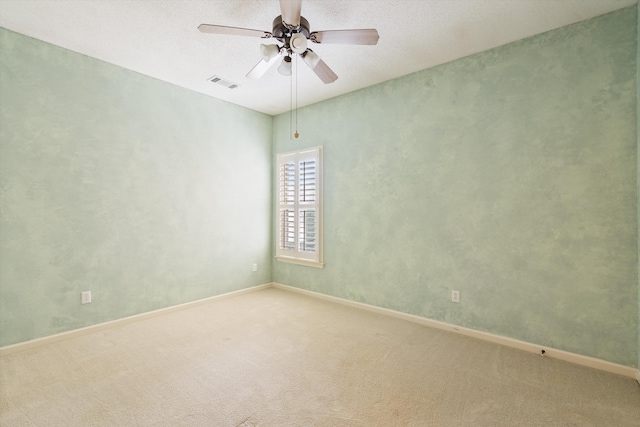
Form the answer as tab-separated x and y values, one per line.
283	33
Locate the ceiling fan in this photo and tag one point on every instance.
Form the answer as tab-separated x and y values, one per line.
293	34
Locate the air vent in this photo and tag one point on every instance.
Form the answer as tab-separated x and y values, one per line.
223	82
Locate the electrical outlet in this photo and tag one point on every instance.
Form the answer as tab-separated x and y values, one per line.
455	296
255	267
85	297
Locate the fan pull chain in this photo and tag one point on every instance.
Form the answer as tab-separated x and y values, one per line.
290	105
296	134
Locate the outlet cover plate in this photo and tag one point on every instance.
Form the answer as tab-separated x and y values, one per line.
85	297
455	296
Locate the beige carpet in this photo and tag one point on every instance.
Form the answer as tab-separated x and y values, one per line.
276	358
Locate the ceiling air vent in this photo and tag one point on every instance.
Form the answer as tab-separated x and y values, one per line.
224	82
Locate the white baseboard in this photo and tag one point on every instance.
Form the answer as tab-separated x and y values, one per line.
578	359
38	342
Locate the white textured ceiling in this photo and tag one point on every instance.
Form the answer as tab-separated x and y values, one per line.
159	38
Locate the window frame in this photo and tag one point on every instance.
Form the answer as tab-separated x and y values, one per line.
295	255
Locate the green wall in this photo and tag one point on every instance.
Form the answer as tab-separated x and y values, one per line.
509	175
124	185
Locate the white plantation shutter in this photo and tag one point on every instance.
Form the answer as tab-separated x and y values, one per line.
287	191
307	186
299	206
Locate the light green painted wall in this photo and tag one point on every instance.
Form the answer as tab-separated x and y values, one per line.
147	194
509	175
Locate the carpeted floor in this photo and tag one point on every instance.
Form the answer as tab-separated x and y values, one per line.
277	358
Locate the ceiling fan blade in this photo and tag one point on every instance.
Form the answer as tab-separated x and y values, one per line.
290	10
319	67
369	36
325	73
233	31
263	66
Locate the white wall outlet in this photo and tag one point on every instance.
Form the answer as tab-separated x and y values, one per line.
255	267
85	297
455	296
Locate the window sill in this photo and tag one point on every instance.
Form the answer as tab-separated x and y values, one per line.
300	262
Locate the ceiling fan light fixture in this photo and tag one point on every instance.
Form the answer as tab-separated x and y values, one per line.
298	43
268	51
285	66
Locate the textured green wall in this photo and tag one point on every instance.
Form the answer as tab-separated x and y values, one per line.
509	175
147	194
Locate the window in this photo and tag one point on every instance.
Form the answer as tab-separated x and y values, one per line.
300	207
